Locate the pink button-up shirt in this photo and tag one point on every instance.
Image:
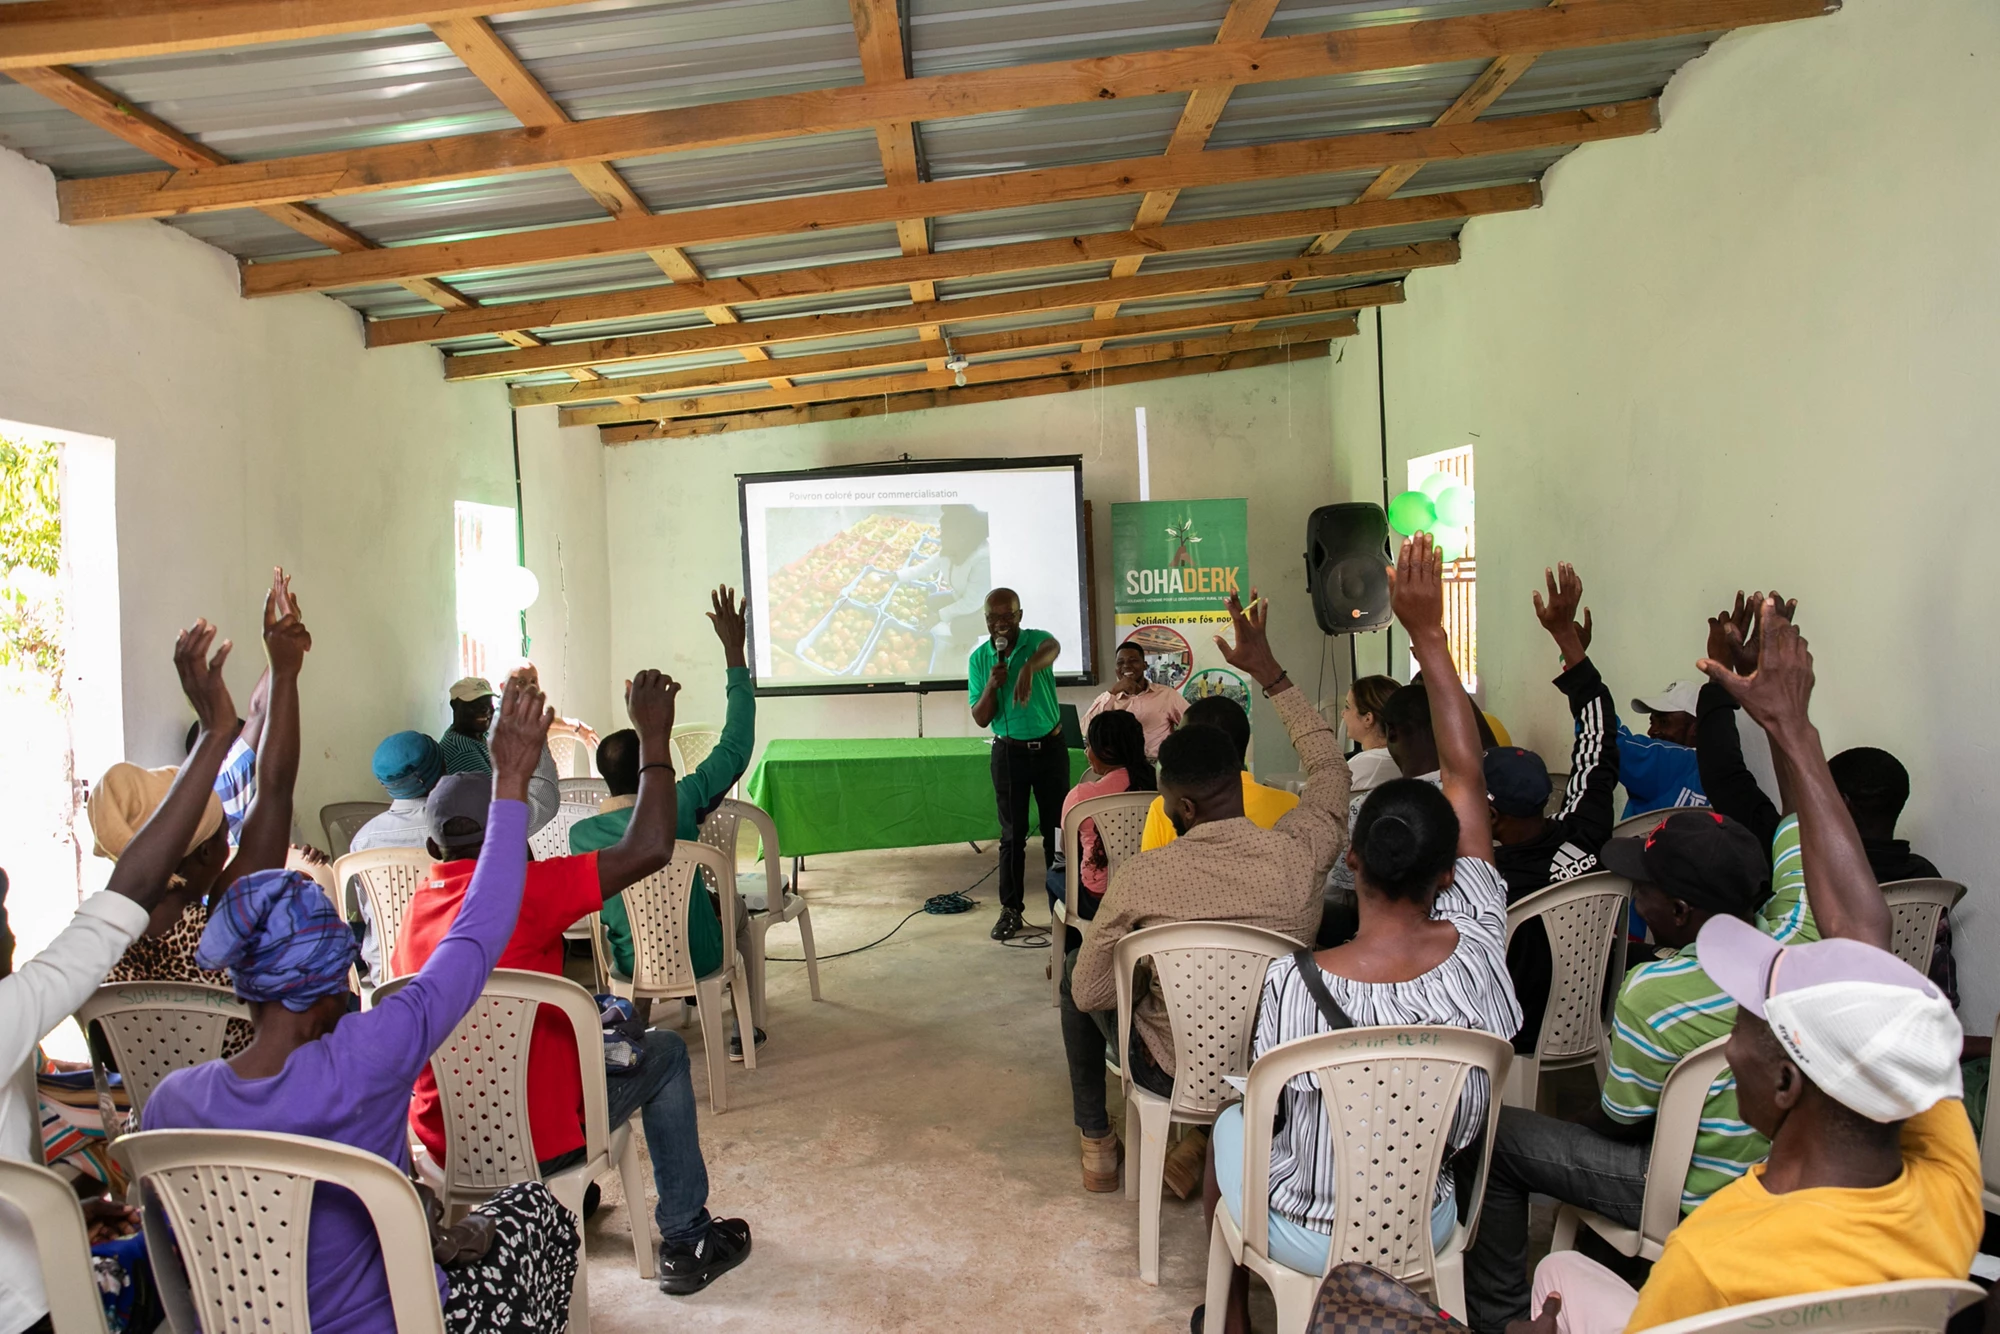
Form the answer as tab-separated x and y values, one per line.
1159	712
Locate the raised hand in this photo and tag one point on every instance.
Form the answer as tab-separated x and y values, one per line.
1558	614
286	639
1251	653
731	620
1416	585
520	731
649	700
1778	692
201	677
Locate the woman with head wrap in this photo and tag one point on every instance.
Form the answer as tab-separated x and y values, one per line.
315	1069
126	797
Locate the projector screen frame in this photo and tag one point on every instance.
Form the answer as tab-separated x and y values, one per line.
906	465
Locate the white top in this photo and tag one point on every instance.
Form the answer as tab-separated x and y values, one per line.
403	825
40	994
1371	769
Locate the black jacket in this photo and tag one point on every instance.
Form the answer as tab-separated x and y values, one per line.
1569	845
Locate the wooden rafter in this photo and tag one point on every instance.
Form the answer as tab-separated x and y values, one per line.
494	63
954	397
899	375
878	31
1052	301
864	106
1351	152
834	280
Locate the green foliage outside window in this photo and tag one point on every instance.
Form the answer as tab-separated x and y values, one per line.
31	612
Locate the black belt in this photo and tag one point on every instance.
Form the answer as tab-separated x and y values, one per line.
1052	739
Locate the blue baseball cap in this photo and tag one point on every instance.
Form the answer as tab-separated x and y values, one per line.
1517	782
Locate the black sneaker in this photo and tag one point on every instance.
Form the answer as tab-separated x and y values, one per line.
590	1199
688	1269
1009	924
736	1044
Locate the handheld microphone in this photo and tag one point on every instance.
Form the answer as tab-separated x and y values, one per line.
1001	643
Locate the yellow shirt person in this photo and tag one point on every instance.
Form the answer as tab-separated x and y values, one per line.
1262	804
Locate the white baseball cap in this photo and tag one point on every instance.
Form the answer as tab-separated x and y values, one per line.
1678	697
1868	1029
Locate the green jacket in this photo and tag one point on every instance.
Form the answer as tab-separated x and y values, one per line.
692	795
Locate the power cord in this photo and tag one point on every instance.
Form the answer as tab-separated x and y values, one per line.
937	905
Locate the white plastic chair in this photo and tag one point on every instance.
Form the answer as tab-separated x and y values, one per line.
1914	909
1121	821
388	879
1585	921
1638	826
753	892
552	839
62	1244
1908	1306
154	1029
663	968
343	819
573	751
239	1205
692	742
583	791
1675	1125
1390	1095
1210	974
482	1082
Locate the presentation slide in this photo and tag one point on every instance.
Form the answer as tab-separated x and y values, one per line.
876	578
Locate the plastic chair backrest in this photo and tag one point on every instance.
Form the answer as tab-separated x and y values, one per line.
1121	822
589	792
1211	975
482	1077
1683	1097
552	839
1908	1306
320	873
239	1205
156	1028
657	908
62	1244
573	754
1390	1095
389	879
341	819
723	827
1914	909
1585	921
694	741
1637	826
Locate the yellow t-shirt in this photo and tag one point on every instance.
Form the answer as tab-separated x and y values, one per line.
1747	1245
1500	737
1262	804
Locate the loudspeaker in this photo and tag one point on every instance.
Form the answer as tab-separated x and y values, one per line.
1347	557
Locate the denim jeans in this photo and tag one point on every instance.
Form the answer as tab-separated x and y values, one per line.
1575	1165
1086	1036
661	1093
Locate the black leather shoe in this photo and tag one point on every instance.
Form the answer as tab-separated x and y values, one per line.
689	1269
1009	924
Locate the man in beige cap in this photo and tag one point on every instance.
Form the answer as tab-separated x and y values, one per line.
463	747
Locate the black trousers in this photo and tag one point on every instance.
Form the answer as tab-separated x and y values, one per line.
1022	769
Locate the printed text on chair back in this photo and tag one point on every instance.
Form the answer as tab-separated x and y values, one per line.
156	1028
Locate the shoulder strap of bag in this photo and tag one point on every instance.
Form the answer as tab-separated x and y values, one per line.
1329	1009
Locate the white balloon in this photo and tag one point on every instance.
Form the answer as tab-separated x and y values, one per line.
518	588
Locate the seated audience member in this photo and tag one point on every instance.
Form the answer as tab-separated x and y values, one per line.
237	782
127	795
1262	805
1659	769
315	1069
1223	867
694	797
1694	867
1873	783
463	744
696	1249
1116	749
1843	1055
39	995
1532	850
407	765
1158	708
1406	732
1429	950
1361	718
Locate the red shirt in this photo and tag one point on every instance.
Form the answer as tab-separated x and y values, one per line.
558	892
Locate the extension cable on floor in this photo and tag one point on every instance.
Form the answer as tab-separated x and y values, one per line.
941	905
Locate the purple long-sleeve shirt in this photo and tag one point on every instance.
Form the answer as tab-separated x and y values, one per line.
353	1086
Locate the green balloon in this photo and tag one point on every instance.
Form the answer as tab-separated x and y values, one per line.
1450	539
1454	505
1435	484
1411	513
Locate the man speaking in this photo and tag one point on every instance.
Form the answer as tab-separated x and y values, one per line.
1013	688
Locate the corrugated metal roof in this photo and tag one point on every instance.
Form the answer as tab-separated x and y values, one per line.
946	36
1297	16
1049	136
1342	104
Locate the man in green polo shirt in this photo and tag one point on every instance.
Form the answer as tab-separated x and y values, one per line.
697	794
1012	684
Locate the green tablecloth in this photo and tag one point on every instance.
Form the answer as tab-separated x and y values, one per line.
892	792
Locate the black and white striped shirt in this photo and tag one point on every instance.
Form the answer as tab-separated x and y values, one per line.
1470	989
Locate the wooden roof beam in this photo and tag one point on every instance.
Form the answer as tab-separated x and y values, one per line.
1344	153
865	106
941	398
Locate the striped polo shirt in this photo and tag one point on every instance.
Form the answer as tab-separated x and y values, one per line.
1787	917
1666	1009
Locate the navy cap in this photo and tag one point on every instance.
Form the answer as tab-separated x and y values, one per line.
459	797
1699	857
1517	782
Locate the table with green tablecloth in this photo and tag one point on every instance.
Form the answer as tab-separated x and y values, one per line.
891	792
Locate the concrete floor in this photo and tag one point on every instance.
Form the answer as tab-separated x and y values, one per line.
904	1151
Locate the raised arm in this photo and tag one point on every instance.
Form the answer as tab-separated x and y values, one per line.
719	770
1840	885
1416	584
1732	789
1043	658
649	839
267	829
1586	816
